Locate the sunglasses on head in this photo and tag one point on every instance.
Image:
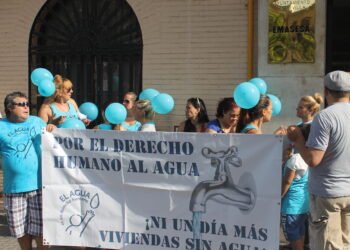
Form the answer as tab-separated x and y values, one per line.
21	104
126	101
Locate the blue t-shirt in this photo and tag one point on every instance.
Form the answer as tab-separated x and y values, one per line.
215	125
20	147
296	200
104	126
71	113
248	127
134	127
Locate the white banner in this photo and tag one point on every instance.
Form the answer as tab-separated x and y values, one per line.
138	190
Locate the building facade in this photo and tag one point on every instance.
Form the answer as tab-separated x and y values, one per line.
190	48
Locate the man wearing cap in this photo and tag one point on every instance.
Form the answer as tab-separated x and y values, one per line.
327	152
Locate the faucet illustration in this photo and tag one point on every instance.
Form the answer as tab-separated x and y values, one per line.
222	189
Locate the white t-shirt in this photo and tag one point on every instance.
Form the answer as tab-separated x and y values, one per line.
297	164
148	127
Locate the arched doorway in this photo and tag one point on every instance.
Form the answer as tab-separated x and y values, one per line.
96	44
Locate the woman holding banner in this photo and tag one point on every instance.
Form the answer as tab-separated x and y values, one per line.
227	117
197	117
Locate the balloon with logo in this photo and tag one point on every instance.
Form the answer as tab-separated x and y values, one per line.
73	123
115	113
39	74
46	87
276	104
163	103
260	84
89	109
148	94
246	95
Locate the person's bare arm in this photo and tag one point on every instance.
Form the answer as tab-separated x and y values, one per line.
311	156
252	131
45	113
287	181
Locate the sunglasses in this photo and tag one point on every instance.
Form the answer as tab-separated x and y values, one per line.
21	104
126	101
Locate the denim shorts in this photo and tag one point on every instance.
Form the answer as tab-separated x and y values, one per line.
293	226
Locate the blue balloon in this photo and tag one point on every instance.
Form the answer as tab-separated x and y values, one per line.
276	104
73	123
89	109
115	113
148	94
39	74
246	95
46	87
260	83
163	103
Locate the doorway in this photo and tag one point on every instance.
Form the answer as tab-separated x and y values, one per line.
96	44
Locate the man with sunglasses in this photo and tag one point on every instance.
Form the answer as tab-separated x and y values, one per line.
21	163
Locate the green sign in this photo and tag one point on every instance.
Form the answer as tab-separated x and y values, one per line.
291	31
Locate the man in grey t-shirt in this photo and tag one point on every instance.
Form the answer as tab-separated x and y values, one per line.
327	152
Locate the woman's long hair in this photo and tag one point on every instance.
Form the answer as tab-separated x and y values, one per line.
198	103
62	86
255	113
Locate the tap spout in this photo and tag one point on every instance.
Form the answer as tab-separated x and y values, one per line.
221	192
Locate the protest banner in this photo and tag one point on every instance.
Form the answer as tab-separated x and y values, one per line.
139	190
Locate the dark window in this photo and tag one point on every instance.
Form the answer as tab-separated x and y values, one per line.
96	44
338	37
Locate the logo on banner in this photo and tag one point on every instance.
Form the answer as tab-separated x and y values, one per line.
75	222
222	189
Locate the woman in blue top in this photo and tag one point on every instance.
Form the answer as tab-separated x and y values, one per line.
60	106
130	123
104	125
227	117
254	118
